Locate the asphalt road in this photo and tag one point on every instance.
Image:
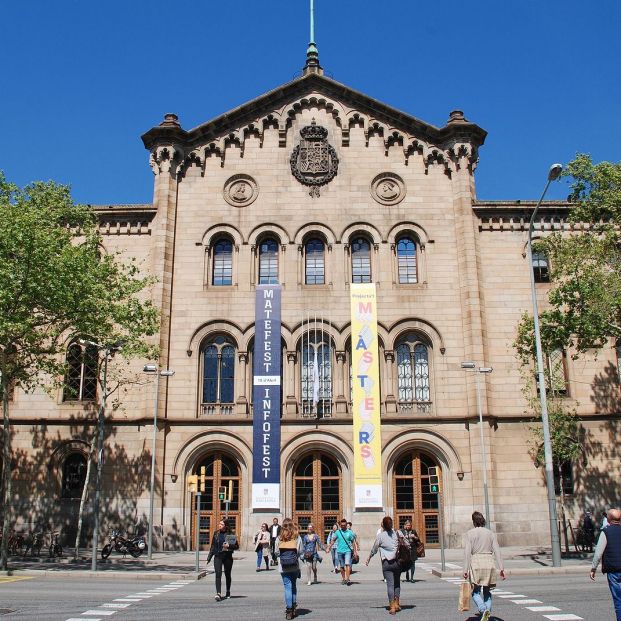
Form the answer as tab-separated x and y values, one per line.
260	596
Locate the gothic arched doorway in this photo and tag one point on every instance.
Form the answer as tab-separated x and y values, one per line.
220	468
412	496
317	492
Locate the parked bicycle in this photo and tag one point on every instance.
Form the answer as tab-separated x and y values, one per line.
134	546
15	544
33	544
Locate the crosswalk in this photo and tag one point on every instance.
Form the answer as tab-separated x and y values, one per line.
523	601
107	609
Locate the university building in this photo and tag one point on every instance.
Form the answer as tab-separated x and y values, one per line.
316	187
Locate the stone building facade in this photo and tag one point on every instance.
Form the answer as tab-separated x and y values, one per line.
232	209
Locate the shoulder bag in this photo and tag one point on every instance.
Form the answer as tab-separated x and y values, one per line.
355	559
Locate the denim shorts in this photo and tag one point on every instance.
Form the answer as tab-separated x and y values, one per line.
344	558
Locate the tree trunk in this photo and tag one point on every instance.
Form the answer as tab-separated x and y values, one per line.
6	471
87	479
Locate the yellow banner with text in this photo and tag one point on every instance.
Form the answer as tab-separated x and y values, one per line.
366	397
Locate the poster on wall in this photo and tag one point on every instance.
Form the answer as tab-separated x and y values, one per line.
266	399
366	398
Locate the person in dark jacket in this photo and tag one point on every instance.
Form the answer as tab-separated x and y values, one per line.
608	550
223	544
274	534
413	539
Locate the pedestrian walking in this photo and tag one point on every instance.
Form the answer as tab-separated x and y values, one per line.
346	547
333	551
608	550
387	542
604	521
311	544
262	547
288	550
588	526
481	555
411	536
274	534
223	544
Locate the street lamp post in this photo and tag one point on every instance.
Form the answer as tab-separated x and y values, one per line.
554	173
473	366
152	369
109	350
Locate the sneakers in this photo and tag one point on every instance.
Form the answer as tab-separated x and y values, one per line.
308	583
218	597
486	615
228	595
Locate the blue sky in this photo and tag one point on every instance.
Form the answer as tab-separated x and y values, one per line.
82	80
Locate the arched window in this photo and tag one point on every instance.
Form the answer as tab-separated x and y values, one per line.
406	260
413	374
218	375
316	374
74	475
360	260
81	375
268	262
314	252
541	268
222	262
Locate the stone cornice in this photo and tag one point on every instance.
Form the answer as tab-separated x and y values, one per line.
125	219
515	216
457	131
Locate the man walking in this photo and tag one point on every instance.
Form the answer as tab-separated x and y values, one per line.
608	550
346	547
274	534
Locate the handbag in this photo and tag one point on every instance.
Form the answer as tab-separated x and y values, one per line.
464	597
420	549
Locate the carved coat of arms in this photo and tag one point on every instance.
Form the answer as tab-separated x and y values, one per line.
314	161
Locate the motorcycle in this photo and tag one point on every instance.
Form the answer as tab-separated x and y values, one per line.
134	546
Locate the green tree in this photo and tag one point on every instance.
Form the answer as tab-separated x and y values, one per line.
584	301
56	282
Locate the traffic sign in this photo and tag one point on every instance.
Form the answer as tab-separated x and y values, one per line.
434	489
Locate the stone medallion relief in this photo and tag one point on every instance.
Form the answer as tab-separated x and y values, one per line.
388	188
240	190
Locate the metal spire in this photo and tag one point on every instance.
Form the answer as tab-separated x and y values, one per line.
312	53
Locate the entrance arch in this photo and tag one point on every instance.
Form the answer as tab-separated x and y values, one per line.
220	468
412	496
317	492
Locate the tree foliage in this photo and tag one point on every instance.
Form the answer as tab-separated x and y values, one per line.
57	282
584	301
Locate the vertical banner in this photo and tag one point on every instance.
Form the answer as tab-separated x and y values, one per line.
366	397
266	399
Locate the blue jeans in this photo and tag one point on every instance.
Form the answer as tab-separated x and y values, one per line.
482	602
290	582
335	558
614	583
259	558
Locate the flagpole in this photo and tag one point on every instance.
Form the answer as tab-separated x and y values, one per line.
312	21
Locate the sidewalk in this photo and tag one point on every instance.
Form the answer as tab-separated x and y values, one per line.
181	565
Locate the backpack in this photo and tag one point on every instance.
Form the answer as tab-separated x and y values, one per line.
289	559
404	556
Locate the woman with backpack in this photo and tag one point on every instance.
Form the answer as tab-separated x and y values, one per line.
311	544
394	553
262	547
288	550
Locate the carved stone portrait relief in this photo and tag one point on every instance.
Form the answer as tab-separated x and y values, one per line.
314	161
388	188
240	190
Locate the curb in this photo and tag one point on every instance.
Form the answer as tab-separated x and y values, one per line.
523	571
127	574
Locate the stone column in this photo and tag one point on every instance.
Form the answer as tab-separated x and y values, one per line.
242	400
340	403
391	401
291	402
